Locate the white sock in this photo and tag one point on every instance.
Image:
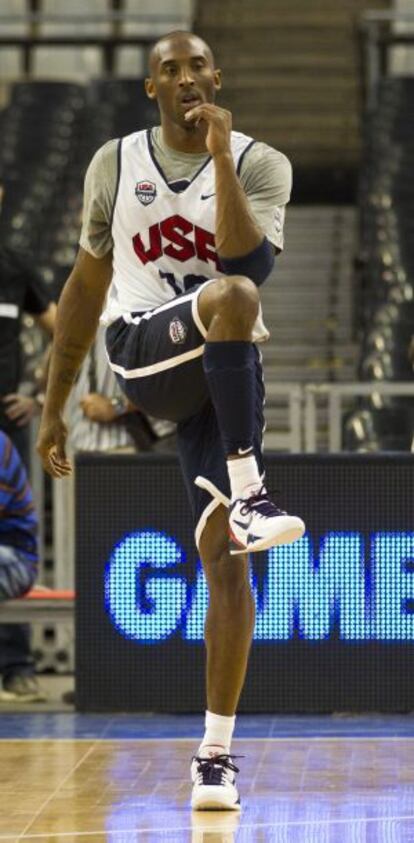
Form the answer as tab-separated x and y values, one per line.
244	477
218	734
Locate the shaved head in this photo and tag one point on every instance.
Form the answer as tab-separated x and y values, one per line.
173	41
182	75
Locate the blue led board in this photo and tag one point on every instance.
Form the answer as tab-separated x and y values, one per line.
335	611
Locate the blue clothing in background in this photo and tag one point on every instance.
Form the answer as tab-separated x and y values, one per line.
18	519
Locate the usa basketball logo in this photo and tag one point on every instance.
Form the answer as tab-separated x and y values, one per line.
145	191
177	331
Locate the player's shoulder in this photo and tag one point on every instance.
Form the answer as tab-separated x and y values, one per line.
108	152
102	173
264	168
105	152
262	153
103	162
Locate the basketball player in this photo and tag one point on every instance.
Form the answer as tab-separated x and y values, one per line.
181	225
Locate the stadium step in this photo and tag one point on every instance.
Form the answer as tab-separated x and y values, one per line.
290	67
307	305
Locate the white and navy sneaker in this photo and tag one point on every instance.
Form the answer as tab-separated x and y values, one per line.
255	523
214	784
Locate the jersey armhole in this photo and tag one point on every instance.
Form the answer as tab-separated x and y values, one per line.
118	179
241	159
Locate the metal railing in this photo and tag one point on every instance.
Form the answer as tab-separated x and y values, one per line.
304	400
153	26
89	17
292	394
333	395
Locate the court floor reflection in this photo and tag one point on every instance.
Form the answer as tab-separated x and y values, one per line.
360	819
356	790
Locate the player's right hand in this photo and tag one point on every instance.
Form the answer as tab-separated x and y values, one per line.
51	443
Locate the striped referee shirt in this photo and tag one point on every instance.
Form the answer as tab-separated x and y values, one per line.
18	519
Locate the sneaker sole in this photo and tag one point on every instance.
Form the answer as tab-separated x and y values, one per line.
211	804
286	537
215	798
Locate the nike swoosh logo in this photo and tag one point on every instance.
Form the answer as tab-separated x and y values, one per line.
243	451
243	524
207	195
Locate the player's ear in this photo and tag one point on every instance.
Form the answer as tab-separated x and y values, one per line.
150	89
217	80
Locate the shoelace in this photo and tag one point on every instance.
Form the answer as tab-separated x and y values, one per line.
261	503
212	769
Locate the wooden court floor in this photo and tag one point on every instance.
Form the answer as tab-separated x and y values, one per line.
319	789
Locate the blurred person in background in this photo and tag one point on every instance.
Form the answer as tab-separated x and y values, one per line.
18	562
21	291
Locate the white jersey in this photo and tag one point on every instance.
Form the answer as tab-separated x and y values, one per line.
163	237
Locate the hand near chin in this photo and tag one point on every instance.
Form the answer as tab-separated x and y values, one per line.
219	122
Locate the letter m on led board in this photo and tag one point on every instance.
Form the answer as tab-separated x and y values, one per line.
310	593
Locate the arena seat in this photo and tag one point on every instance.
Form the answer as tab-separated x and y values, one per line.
50	130
387	364
122	106
40	605
47	94
386	337
385	429
39	131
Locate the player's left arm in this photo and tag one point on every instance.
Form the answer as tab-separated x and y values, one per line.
266	177
237	232
241	242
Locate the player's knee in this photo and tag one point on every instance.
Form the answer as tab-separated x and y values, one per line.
238	298
234	298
